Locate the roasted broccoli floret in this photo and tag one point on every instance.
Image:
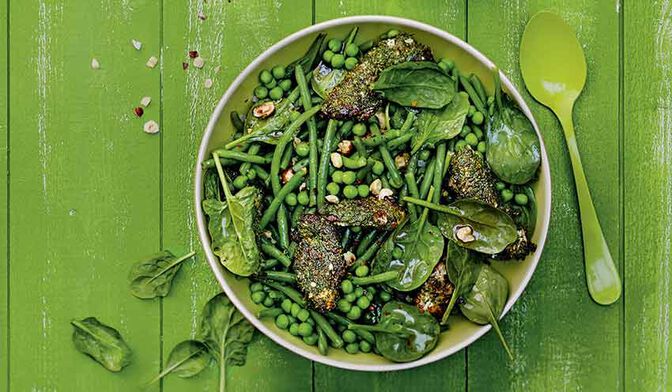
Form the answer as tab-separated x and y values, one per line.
434	295
382	214
353	97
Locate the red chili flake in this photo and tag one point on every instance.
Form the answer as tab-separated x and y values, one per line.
139	111
185	66
193	54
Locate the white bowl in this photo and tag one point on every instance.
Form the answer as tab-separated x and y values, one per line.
462	333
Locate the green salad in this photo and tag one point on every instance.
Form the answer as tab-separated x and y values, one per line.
366	191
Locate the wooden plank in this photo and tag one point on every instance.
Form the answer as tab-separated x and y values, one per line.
4	210
561	339
448	374
84	188
648	201
232	35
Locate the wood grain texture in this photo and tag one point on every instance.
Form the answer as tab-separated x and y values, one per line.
561	339
448	374
232	35
648	197
4	211
84	189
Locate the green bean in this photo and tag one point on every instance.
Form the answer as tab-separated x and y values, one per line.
253	150
292	184
364	172
269	263
366	335
288	291
299	165
364	258
395	176
271	251
446	163
455	73
375	141
351	37
236	121
296	214
279	276
427	179
360	147
355	162
432	206
408	122
286	157
210	163
345	129
472	94
323	169
261	172
322	343
366	242
400	141
282	221
412	184
438	170
478	86
270	312
236	156
324	325
312	133
375	279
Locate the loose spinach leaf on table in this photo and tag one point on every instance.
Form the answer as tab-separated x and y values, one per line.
435	125
492	229
462	267
226	333
325	79
485	302
416	84
153	277
513	151
102	343
187	359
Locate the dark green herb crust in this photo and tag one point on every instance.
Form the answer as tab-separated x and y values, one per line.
434	295
353	97
383	214
318	261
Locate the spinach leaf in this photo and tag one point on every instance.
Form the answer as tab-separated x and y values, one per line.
269	129
513	151
211	185
154	276
416	84
419	246
325	79
404	333
102	343
226	333
485	302
462	267
187	359
235	241
435	125
526	215
477	226
308	60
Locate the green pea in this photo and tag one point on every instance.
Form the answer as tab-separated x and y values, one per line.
350	63
363	190
303	315
478	132
350	297
477	118
240	182
424	155
370	290
363	302
286	305
282	321
271	85
481	147
265	77
378	168
327	55
397	253
305	329
276	295
311	322
352	49
362	271
507	195
279	72
285	85
303	198
460	145
338	61
251	174
291	319
364	346
337	177
256	286
521	199
291	199
302	149
352	348
349	336
343	305
471	139
258	297
310	340
350	191
500	185
275	93
359	291
392	33
346	286
472	110
465	131
294	329
359	129
268	302
296	308
349	177
333	188
334	45
261	92
354	313
385	296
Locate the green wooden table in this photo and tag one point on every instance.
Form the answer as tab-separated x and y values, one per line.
87	192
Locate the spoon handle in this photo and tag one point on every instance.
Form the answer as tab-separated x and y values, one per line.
603	281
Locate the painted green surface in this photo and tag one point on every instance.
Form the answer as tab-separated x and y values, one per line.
648	194
89	192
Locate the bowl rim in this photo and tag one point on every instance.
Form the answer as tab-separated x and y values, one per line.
201	221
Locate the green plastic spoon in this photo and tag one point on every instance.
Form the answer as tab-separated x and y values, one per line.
554	70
